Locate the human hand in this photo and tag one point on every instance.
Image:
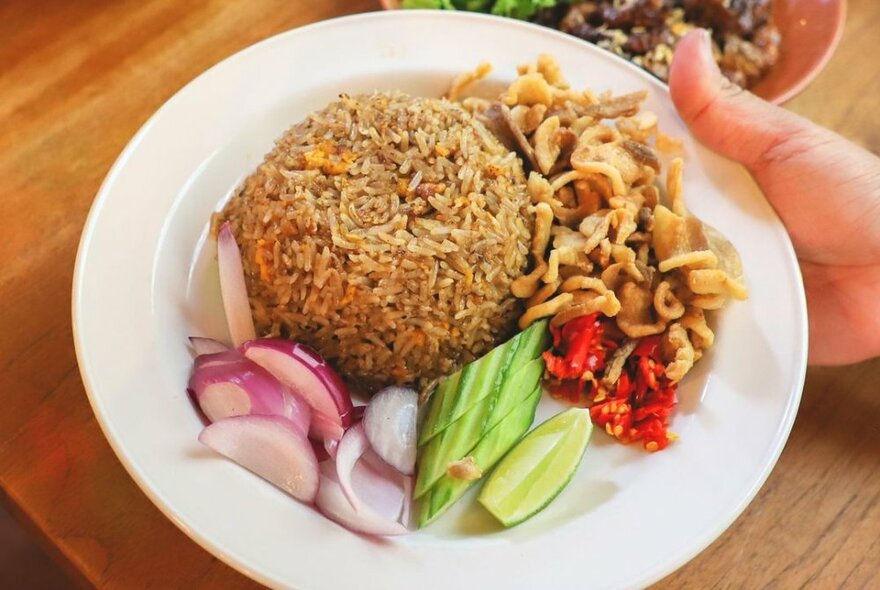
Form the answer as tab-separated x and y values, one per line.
825	189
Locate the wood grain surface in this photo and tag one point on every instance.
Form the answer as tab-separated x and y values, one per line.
79	77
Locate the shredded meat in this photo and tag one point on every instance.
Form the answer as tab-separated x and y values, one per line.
646	31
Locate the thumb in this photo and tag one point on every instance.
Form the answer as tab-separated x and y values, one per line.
821	185
723	116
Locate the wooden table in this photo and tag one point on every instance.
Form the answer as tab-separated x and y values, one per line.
79	77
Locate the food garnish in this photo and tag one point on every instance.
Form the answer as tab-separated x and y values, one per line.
491	448
390	425
613	268
538	468
260	421
486	390
381	518
270	446
235	297
497	397
202	345
303	372
226	385
628	392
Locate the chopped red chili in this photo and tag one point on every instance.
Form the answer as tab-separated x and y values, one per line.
637	407
580	344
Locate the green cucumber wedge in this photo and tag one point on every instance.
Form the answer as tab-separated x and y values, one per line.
538	468
485	377
515	389
456	442
442	396
486	454
451	445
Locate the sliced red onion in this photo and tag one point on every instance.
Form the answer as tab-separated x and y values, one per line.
377	464
320	450
352	446
325	428
297	411
330	446
202	345
304	372
390	425
331	501
233	288
270	446
354	416
407	500
379	486
239	388
217	358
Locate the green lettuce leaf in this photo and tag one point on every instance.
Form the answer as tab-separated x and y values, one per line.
522	9
447	4
473	5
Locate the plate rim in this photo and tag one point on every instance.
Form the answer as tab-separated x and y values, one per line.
650	575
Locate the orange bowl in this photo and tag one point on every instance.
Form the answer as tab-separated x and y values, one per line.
810	32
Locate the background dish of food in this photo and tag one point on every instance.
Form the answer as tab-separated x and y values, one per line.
810	31
178	168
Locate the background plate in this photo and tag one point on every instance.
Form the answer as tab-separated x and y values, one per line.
145	280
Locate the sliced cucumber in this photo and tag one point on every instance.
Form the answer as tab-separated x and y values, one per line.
456	442
451	445
487	378
516	388
469	404
486	454
482	378
443	396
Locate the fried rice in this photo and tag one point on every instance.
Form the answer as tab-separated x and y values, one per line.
385	231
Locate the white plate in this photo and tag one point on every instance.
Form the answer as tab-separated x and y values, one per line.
144	283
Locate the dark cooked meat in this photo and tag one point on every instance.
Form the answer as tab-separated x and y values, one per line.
741	17
646	31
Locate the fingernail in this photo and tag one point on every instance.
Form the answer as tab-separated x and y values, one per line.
706	44
708	55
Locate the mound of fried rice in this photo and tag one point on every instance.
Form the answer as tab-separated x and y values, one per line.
385	231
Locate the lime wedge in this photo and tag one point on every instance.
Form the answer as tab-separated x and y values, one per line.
538	468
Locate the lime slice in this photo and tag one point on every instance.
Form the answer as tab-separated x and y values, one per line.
538	468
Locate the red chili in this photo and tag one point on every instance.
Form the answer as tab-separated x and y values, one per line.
637	407
579	343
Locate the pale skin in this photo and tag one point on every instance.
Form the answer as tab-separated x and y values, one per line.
825	189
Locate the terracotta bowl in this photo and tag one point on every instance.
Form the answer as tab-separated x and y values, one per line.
810	31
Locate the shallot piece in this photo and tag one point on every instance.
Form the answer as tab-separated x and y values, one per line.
353	445
305	373
321	452
379	486
407	500
235	388
331	501
330	447
297	411
390	425
202	345
271	447
357	414
204	361
400	483
233	288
